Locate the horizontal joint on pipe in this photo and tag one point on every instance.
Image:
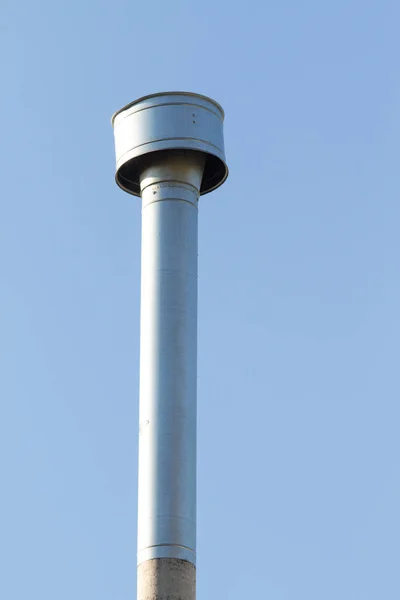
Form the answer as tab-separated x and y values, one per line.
161	184
168	193
166	551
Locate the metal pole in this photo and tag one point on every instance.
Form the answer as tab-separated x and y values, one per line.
169	150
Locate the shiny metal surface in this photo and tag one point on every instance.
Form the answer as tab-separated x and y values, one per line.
169	121
170	185
169	150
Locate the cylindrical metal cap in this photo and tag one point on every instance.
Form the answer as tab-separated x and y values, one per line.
169	121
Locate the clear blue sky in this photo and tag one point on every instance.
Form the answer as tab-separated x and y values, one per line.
299	326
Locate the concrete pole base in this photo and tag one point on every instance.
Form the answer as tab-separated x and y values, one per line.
166	579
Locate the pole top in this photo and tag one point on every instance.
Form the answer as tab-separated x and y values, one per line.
167	122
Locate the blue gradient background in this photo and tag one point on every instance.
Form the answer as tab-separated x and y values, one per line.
299	477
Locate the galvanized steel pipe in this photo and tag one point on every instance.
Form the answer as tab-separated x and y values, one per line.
168	358
169	150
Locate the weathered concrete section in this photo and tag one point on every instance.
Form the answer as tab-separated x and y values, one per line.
166	579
